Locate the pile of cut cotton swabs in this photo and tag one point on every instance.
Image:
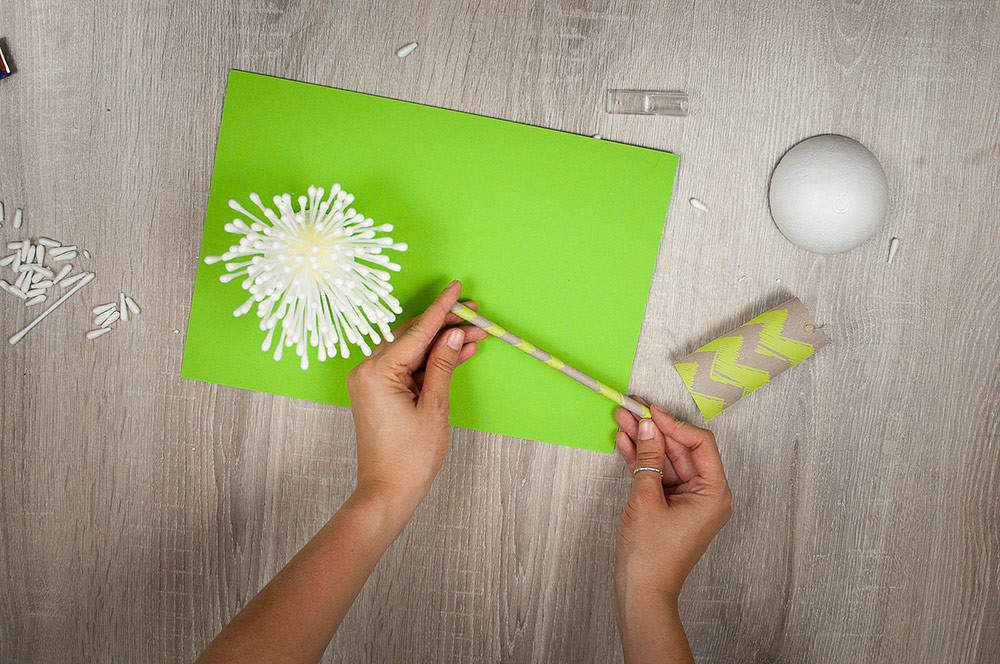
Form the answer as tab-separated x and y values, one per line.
106	315
33	280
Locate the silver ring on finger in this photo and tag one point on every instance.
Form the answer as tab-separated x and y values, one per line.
641	468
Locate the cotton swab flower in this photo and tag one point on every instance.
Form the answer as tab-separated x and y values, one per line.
317	275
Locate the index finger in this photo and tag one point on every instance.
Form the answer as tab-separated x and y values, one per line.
700	442
412	344
451	319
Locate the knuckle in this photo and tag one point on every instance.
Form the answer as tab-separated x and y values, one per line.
374	367
363	374
442	364
647	457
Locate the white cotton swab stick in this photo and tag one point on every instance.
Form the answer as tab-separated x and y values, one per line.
104	317
17	218
112	316
122	308
62	273
132	306
69	281
405	50
893	248
93	334
86	279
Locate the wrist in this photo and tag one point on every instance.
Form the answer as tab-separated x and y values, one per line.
650	628
385	508
640	584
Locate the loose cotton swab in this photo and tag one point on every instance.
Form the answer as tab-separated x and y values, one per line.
86	279
495	330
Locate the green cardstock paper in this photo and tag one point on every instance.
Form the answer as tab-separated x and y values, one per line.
554	234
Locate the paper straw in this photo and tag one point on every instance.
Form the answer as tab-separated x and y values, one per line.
495	330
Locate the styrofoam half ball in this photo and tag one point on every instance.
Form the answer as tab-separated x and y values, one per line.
828	194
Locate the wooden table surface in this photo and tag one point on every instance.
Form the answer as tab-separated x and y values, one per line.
141	511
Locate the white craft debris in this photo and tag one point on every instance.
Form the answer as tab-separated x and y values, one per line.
69	281
86	254
104	317
34	267
18	218
112	316
405	50
2	217
597	136
62	273
32	279
698	205
893	248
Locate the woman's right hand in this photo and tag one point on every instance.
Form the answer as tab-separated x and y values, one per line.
667	524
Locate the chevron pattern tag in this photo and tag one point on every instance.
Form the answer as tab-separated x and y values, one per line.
723	371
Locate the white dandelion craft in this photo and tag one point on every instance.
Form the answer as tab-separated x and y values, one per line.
316	274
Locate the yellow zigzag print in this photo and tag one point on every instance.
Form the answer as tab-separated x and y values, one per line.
729	362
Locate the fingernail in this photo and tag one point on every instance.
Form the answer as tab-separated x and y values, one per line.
452	284
455	339
646	428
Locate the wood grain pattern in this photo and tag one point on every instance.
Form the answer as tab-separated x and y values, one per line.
140	511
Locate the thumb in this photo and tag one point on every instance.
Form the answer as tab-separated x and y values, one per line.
649	451
441	361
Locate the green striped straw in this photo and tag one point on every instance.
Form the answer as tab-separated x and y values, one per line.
495	330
